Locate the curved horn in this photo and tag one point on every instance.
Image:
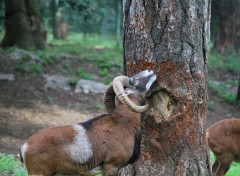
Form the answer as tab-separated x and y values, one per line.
109	98
118	86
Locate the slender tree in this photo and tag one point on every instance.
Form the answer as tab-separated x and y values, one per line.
53	5
22	25
172	38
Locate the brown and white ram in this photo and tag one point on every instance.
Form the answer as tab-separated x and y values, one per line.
104	144
224	141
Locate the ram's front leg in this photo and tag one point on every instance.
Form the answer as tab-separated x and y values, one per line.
111	170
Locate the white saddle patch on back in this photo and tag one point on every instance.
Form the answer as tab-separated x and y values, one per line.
81	149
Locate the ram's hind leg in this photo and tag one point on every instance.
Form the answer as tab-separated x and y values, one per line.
225	162
38	171
215	165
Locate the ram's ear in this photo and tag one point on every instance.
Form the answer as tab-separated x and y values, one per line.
143	80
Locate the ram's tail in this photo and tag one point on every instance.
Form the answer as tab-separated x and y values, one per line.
20	153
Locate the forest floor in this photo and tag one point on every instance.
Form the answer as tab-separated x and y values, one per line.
26	106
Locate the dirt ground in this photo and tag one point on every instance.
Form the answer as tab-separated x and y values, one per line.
25	107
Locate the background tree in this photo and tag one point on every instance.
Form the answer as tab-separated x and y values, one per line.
22	25
171	38
225	25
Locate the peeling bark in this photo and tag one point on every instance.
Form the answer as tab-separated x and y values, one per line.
171	38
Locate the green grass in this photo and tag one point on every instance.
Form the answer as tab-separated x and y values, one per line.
101	53
106	62
221	89
10	166
234	169
228	62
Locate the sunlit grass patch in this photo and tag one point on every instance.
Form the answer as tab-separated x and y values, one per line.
9	166
229	62
222	89
234	169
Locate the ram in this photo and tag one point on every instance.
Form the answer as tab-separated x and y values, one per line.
104	144
224	141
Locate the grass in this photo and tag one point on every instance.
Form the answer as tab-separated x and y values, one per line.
9	166
231	65
229	62
221	89
98	59
103	56
234	169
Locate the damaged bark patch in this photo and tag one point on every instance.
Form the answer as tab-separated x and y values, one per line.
140	65
164	104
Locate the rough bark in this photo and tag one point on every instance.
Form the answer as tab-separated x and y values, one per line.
172	38
22	25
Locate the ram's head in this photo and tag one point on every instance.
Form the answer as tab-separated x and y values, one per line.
140	82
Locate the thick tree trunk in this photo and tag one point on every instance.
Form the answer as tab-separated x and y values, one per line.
23	25
172	38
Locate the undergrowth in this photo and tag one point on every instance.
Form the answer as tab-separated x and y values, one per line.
10	166
93	58
99	59
225	89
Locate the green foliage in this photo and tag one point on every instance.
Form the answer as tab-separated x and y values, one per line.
221	89
87	8
84	75
73	81
99	105
89	57
234	169
8	166
228	62
46	57
211	105
28	68
93	50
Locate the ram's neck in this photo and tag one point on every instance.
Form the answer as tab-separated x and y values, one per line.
129	116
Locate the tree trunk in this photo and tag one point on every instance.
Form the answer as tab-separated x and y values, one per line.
23	25
54	18
238	91
172	38
62	26
225	25
118	22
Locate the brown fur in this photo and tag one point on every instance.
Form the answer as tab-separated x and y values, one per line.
112	137
224	141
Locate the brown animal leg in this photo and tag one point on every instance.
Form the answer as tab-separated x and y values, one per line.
215	165
224	165
111	170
